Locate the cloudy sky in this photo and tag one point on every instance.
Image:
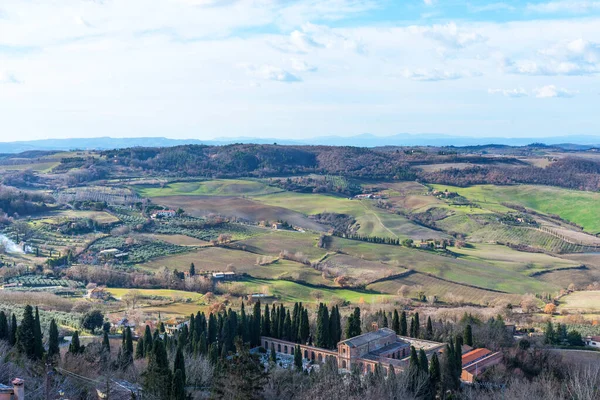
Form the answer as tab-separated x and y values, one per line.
298	68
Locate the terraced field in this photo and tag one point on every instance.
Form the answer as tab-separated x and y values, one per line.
580	207
201	206
445	291
217	187
480	273
527	236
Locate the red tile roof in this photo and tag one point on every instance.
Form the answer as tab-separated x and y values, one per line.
473	355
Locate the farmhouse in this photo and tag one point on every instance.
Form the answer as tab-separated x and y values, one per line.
592	341
98	293
366	351
163	214
173	325
223	275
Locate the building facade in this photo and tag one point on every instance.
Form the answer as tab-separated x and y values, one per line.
365	351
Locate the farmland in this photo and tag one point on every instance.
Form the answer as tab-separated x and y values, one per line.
579	207
581	302
219	187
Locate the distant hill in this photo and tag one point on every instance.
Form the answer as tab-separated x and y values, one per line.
578	142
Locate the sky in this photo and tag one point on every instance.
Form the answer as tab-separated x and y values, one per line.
296	69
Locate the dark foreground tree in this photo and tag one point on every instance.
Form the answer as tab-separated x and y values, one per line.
53	349
242	377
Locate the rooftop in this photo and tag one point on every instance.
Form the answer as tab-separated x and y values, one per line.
474	355
369	337
390	348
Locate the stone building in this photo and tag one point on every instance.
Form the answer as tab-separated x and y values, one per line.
365	351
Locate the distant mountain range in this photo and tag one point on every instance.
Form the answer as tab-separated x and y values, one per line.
364	140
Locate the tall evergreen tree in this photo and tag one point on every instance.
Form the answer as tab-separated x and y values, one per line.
434	373
53	348
468	335
287	327
147	341
266	322
304	330
211	336
105	342
75	347
158	376
192	269
298	358
255	330
322	336
275	322
417	325
127	350
12	334
179	365
243	329
26	340
353	328
423	362
396	322
139	349
4	330
178	391
429	331
403	325
335	327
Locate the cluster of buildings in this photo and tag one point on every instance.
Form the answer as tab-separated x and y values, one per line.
592	341
163	214
383	347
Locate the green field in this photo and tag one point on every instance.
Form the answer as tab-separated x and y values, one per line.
291	292
174	294
582	208
218	187
476	271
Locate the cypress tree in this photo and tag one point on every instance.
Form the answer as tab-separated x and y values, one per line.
192	269
212	329
468	335
417	325
304	327
429	328
255	329
4	330
335	327
75	347
280	325
53	349
396	322
266	323
298	358
403	327
354	324
434	373
179	365
243	331
127	349
139	349
37	332
275	322
273	356
178	392
385	320
12	335
105	342
322	338
287	327
158	376
26	334
147	341
202	344
413	369
423	362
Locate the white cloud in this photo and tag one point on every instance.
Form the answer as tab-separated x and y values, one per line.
270	73
551	91
491	7
434	75
518	92
302	66
575	57
571	6
428	2
452	36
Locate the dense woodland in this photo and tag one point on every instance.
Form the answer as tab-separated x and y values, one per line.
352	162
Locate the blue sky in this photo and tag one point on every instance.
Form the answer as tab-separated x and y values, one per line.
297	69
